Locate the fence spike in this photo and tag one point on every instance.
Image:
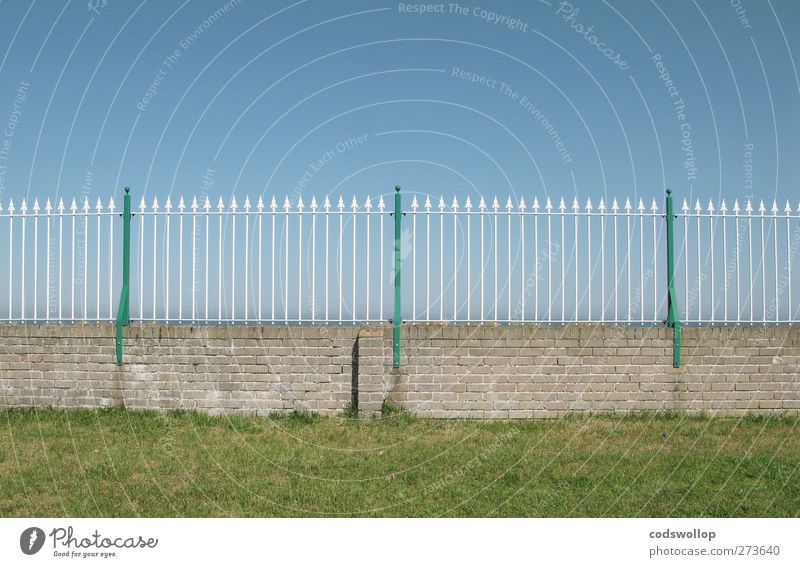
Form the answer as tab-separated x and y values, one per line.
441	203
260	204
326	204
522	203
710	206
774	208
181	204
749	208
535	205
207	204
220	204
235	205
300	204
368	204
602	206
47	206
761	208
36	205
509	204
697	208
168	204
98	206
562	206
11	208
654	206
589	204
382	204
640	208
736	209
74	206
628	204
414	204
313	203
354	204
455	204
340	204
154	206
575	205
723	208
86	203
468	204
60	206
788	209
614	205
482	204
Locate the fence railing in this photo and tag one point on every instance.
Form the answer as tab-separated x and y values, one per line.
331	261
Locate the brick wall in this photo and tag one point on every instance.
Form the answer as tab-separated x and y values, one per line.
518	371
213	369
447	371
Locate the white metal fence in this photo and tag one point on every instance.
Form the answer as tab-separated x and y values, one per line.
202	261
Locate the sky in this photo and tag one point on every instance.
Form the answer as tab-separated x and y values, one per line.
311	98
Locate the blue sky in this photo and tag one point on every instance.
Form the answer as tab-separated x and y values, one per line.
306	98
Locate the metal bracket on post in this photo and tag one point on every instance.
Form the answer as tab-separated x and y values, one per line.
397	264
123	311
673	318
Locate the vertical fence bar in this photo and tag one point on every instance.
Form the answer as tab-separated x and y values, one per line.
123	314
397	265
673	319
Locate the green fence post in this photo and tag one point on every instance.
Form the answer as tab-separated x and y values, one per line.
673	319
123	310
398	213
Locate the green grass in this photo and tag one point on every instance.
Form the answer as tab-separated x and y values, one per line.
123	463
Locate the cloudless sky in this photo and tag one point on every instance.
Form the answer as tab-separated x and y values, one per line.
353	97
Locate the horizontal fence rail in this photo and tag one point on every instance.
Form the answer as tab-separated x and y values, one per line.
331	261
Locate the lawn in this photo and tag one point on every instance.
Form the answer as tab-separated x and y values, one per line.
124	463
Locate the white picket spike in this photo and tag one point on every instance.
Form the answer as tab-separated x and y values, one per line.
326	204
482	204
628	204
654	206
602	206
441	202
614	205
685	207
382	204
561	206
455	204
736	208
468	204
761	208
723	208
207	204
589	204
509	204
749	208
340	204
368	204
495	203
521	205
575	206
168	204
788	209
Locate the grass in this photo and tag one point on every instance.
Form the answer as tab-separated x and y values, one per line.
124	463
